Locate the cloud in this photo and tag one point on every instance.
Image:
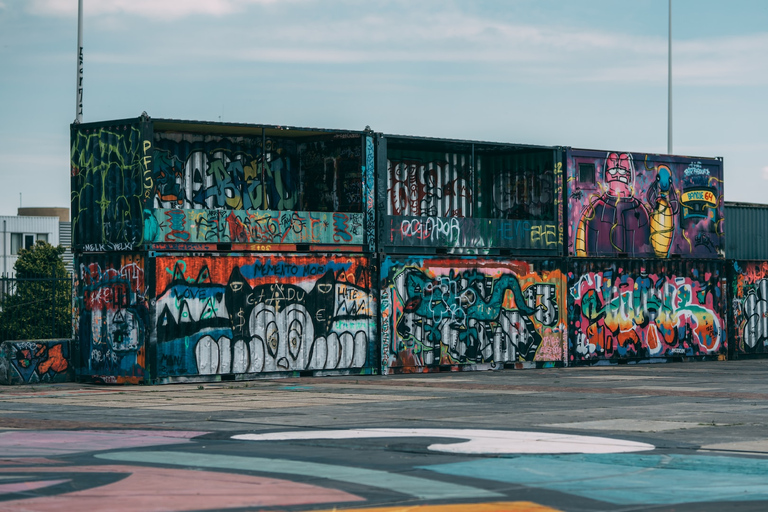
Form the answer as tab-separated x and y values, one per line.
765	173
152	9
345	33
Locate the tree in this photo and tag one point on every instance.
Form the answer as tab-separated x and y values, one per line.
37	303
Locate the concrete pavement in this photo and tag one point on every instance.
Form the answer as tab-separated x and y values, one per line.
685	436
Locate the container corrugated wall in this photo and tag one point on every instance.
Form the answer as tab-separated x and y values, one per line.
468	197
747	235
470	313
245	314
110	166
640	205
634	310
749	307
112	317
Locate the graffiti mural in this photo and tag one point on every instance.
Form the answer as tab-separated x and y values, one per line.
201	172
472	203
644	205
642	310
37	361
477	235
369	187
108	170
749	297
453	311
113	317
425	187
252	314
254	226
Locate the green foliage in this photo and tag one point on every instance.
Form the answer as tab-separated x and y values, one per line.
37	303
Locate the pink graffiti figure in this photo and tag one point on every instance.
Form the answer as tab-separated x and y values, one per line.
616	221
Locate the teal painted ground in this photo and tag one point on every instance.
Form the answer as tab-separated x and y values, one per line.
626	479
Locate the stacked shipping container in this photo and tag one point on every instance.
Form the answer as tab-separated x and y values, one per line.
646	274
747	247
210	251
221	251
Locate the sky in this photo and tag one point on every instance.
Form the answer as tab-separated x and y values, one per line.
586	74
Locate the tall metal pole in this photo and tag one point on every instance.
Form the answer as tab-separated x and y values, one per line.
79	87
669	85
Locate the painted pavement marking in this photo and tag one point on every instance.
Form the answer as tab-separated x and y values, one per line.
478	442
177	490
29	486
627	425
29	443
407	484
500	506
627	479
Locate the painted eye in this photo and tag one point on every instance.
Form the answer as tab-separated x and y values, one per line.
295	332
273	338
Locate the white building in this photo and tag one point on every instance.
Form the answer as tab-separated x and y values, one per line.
32	224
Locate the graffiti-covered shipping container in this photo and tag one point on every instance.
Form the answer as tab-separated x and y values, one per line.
748	282
467	313
642	310
245	314
111	177
147	181
747	235
147	193
112	317
641	205
469	197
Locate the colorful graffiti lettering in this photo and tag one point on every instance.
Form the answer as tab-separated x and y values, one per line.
252	226
113	316
436	199
476	234
638	314
638	209
236	173
446	312
262	313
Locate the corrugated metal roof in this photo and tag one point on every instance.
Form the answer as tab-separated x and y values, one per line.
413	139
746	231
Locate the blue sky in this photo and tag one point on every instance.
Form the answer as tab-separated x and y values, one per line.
588	74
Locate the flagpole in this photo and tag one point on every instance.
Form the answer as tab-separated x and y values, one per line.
79	85
669	84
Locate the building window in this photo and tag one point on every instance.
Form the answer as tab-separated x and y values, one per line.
587	173
25	241
16	241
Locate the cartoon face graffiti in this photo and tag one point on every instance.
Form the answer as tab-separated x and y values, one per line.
616	221
619	174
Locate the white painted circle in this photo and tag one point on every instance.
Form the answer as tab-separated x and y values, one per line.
477	442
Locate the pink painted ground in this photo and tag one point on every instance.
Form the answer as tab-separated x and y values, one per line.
28	486
30	443
164	490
